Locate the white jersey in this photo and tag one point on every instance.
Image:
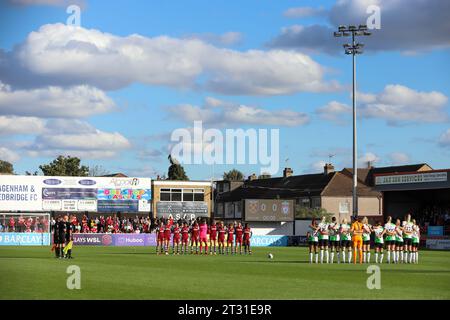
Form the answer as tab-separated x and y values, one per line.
345	232
334	231
408	228
323	231
366	232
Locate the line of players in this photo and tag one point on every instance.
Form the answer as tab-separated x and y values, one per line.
186	238
400	239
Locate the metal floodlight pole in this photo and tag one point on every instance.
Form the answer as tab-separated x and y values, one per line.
353	49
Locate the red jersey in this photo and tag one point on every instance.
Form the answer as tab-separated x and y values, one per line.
213	232
167	231
185	233
247	233
230	234
222	232
195	231
11	222
160	232
239	232
176	233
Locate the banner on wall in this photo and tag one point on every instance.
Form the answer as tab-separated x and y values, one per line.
186	210
149	239
43	193
24	239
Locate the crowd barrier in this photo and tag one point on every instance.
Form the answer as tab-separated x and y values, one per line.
149	239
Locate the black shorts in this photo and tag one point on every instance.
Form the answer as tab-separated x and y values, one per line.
334	243
390	242
323	242
58	238
313	243
346	243
407	241
378	245
399	243
366	242
415	245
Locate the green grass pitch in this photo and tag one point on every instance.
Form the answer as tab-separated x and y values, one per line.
137	273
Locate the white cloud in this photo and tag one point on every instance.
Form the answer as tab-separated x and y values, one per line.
11	125
8	155
61	54
396	104
368	157
399	158
444	139
77	101
302	12
224	39
75	138
223	113
334	111
406	26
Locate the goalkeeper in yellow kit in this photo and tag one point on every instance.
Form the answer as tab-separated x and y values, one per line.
357	231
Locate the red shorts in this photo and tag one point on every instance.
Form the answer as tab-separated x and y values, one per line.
221	239
204	239
167	236
194	239
238	240
176	239
213	237
160	237
185	240
247	241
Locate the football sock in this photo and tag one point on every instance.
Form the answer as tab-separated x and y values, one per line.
321	255
381	257
364	256
343	256
332	256
368	257
376	257
327	256
317	257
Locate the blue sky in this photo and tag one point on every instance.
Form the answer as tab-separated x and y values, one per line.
255	54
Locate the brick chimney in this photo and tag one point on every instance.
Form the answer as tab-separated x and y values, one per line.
328	168
252	177
287	172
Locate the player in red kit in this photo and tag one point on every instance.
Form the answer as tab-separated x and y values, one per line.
230	233
195	235
213	237
176	238
167	234
247	236
239	234
221	230
160	238
184	238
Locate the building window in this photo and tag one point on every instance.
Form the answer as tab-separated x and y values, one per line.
199	195
188	195
226	187
176	195
303	202
165	194
315	203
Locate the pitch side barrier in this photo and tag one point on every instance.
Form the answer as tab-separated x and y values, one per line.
149	239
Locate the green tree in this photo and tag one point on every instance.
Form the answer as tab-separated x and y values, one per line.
6	167
176	172
65	166
233	175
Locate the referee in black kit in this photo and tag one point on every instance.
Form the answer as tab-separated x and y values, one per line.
69	227
59	237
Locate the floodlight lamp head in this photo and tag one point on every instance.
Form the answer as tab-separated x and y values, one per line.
352	28
341	28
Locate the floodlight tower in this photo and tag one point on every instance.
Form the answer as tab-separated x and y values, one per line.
354	48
